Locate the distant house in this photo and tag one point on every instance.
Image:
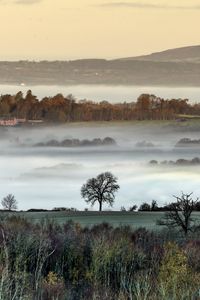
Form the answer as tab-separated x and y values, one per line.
12	121
8	121
20	121
35	121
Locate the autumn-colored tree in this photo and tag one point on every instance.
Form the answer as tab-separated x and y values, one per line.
175	274
67	109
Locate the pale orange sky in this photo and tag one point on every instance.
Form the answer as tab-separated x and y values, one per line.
68	29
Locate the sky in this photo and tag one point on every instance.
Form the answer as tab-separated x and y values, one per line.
71	29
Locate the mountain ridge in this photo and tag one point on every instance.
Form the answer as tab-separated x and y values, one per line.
181	54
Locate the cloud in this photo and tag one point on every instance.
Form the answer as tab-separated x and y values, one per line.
20	2
147	5
27	1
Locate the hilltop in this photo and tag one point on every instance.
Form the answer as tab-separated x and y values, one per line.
183	54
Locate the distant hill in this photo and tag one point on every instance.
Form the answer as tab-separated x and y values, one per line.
175	67
184	54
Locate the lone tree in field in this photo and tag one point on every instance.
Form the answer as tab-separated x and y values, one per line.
101	189
180	213
9	202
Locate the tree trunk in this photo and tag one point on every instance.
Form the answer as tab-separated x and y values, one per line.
100	205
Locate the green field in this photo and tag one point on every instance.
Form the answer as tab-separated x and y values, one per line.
133	219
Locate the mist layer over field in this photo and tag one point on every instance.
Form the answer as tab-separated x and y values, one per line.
109	93
47	177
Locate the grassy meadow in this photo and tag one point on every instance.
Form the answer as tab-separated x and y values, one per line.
90	218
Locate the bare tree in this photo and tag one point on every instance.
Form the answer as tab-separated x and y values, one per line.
9	202
101	189
180	213
145	207
154	205
133	208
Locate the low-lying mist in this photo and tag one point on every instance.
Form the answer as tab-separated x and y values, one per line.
47	177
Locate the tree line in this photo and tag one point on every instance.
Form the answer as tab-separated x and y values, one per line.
68	109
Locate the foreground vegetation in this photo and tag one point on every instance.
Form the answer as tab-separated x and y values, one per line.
46	260
50	261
